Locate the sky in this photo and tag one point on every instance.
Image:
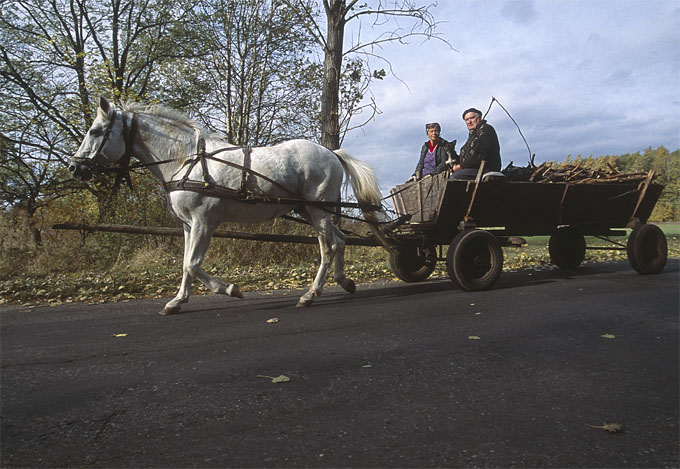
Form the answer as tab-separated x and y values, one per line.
580	77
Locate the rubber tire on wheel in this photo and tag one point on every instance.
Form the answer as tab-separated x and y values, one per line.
647	249
474	260
567	247
410	266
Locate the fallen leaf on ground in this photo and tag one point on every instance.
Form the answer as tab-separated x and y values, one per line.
608	336
608	426
272	320
278	379
474	337
120	335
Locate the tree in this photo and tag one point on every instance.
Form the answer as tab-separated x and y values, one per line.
667	165
32	161
261	84
243	67
31	175
56	56
338	13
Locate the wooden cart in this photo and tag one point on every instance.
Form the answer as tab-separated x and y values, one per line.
475	219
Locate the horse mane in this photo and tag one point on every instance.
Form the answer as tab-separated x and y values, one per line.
176	117
164	113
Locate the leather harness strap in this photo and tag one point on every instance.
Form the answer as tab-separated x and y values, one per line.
244	168
244	172
208	188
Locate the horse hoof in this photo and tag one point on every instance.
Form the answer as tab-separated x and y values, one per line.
168	310
349	286
303	303
235	292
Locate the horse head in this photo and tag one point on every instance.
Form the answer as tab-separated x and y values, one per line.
109	139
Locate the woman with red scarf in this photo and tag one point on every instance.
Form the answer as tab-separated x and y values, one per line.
434	153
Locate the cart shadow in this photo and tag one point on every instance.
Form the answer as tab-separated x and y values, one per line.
508	281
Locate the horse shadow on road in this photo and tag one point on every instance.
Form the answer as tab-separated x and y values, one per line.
334	295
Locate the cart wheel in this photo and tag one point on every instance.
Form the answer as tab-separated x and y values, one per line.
414	264
567	247
474	260
647	249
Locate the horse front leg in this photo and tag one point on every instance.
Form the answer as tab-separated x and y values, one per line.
173	306
196	243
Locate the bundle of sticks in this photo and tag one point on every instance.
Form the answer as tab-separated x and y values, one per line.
576	174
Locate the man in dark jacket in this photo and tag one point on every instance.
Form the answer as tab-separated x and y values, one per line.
482	145
434	153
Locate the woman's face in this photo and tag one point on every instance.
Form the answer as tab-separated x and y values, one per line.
433	134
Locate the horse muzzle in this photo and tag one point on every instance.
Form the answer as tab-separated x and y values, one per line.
80	171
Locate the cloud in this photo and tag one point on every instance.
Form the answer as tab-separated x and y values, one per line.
580	77
519	11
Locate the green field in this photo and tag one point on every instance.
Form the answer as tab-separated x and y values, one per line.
671	230
536	250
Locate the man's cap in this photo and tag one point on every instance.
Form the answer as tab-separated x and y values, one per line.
476	111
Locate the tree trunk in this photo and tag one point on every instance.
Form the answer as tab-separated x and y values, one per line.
33	228
332	65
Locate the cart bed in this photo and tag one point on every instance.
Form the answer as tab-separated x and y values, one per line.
438	205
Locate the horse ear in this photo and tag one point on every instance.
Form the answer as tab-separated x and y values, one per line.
104	104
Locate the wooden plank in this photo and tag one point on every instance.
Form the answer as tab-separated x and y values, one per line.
419	199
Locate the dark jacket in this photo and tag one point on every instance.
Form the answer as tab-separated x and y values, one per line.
441	154
482	144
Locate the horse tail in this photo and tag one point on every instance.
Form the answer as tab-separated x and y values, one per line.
365	185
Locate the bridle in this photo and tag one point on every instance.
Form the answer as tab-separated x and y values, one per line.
95	163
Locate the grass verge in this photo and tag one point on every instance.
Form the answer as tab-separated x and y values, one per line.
156	273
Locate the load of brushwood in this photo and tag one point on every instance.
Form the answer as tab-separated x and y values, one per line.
573	173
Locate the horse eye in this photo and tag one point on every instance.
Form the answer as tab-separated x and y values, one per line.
96	132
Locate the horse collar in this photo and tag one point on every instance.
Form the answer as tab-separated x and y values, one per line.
243	191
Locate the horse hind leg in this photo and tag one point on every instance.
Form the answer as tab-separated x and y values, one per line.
339	272
322	223
196	243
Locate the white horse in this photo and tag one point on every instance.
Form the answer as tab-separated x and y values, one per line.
170	144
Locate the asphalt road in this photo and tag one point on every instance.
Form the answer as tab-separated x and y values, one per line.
397	375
